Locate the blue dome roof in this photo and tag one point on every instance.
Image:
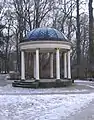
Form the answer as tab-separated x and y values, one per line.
43	34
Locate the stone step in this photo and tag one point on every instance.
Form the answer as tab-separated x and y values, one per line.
25	85
41	84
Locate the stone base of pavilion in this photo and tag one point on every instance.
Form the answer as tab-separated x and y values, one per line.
43	83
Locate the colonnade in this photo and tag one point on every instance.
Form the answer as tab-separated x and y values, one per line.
67	65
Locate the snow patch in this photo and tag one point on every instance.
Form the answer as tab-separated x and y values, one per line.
42	107
14	90
83	81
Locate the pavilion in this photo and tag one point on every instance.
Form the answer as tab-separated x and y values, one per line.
48	40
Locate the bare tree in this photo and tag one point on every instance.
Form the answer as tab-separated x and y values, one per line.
78	51
91	44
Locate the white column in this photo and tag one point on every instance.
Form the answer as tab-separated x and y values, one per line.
69	66
65	65
34	66
51	65
22	65
57	64
37	64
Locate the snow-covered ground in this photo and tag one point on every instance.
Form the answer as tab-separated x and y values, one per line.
83	81
14	90
89	84
25	104
42	107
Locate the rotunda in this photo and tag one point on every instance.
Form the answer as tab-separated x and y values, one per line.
48	40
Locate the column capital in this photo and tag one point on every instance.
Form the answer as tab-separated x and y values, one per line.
37	48
51	53
57	48
69	52
23	50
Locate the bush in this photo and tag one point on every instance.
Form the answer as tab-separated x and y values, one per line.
14	75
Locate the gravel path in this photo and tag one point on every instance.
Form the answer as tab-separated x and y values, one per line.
85	114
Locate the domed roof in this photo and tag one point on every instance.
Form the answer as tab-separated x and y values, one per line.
43	34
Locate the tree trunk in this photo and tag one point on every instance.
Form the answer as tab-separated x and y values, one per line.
78	51
36	15
91	50
6	54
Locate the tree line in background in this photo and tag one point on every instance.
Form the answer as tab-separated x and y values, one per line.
18	17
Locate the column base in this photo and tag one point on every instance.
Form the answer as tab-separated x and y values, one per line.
22	79
36	80
69	78
58	80
51	77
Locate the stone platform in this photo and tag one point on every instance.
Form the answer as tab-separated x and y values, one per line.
42	83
